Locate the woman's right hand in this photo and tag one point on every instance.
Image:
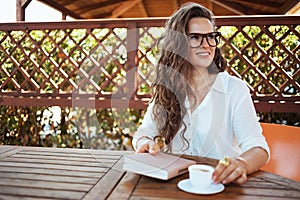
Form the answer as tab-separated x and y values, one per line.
148	147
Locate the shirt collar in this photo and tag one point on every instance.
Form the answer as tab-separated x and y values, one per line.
218	85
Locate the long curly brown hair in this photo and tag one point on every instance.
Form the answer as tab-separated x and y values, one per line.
173	71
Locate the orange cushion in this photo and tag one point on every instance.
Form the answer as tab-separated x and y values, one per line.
284	143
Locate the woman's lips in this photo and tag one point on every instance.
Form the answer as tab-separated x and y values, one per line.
203	53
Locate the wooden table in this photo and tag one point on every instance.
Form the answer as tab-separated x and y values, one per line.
53	173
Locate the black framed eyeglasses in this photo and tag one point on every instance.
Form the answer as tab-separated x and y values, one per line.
196	39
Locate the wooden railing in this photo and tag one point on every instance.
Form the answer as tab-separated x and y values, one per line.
110	63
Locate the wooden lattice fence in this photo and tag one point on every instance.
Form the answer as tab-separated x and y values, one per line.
110	63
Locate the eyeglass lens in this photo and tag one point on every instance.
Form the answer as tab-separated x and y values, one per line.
196	39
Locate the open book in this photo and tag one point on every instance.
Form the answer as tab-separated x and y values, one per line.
160	165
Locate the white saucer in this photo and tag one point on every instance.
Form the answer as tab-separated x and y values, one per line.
186	186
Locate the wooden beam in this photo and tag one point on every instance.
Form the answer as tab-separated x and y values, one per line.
143	9
67	2
287	6
102	15
92	7
25	3
123	8
266	4
175	5
210	5
295	9
228	7
20	9
63	16
60	8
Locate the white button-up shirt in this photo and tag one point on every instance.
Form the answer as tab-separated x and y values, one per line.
224	124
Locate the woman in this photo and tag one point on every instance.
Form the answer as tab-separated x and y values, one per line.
197	107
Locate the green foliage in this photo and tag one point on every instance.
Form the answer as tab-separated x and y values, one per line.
291	119
109	128
75	128
20	126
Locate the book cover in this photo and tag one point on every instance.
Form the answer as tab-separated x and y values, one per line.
160	165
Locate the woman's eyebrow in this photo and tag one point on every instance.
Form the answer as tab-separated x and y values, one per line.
195	33
200	33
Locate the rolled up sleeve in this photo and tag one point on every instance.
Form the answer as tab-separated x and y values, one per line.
147	128
246	126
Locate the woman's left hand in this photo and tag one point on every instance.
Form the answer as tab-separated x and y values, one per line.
234	170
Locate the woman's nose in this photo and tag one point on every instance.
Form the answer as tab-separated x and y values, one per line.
204	43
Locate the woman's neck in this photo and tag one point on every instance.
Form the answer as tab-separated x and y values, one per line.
200	84
202	79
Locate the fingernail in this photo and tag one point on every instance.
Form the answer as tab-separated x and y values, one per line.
224	182
214	178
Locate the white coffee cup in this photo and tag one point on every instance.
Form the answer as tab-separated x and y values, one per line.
200	176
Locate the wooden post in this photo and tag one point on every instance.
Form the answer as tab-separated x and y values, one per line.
63	16
131	69
20	9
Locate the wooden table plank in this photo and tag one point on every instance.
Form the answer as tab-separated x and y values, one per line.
269	192
176	194
87	158
8	151
40	193
4	149
56	178
55	166
72	151
125	187
72	154
94	163
106	184
21	169
43	184
207	197
14	197
279	180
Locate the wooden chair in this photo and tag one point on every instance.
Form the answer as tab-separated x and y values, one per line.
284	143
